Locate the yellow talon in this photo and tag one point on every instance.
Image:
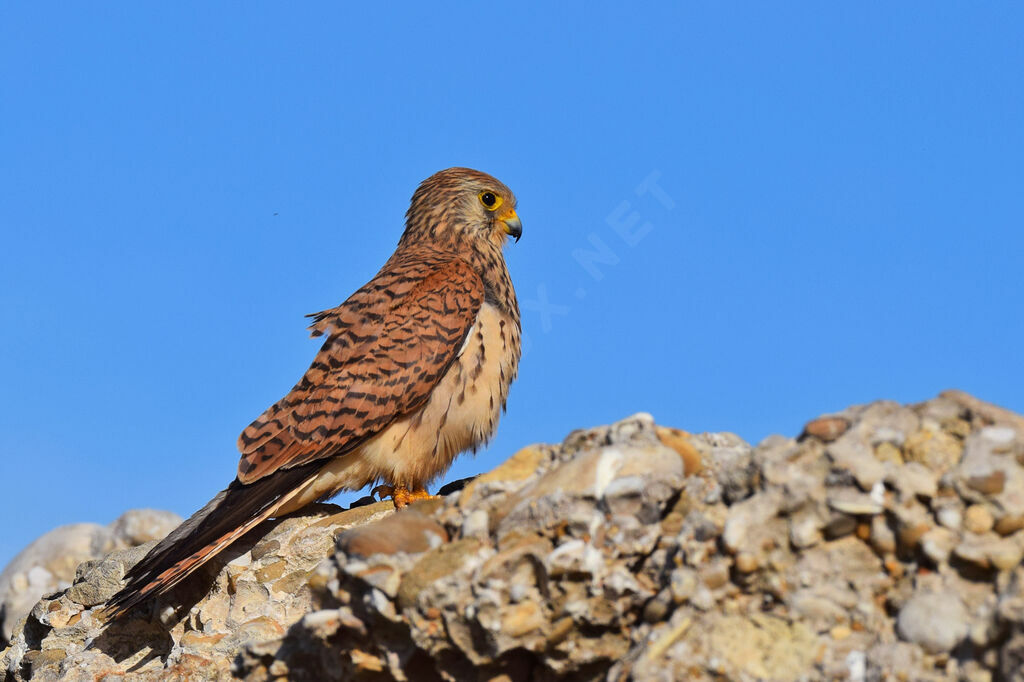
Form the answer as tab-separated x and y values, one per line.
401	495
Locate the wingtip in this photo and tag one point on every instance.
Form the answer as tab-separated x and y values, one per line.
107	614
118	606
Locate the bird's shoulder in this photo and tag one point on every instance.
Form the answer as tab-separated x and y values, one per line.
408	276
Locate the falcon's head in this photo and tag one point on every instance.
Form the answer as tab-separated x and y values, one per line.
460	205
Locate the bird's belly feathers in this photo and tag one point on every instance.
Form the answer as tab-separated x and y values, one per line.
461	414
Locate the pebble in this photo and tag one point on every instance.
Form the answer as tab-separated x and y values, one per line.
1010	524
914	479
840	632
988	484
855	502
682	584
973	550
937	544
998	435
840	525
936	621
805	530
747	563
1006	554
827	429
978	519
656	608
950	516
882	537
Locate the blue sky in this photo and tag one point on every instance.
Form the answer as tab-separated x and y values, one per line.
796	207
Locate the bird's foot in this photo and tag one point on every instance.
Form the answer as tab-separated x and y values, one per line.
401	495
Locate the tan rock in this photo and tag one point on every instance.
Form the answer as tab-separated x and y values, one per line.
519	467
937	450
522	619
1009	524
436	564
978	519
763	647
406	531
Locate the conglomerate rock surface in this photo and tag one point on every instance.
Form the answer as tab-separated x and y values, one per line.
885	542
49	563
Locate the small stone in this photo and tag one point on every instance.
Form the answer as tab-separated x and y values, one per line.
914	479
863	531
950	517
703	598
887	452
912	521
886	435
973	550
656	608
988	484
682	584
990	551
522	619
937	544
910	535
746	563
840	632
854	502
894	568
936	450
827	429
936	621
715	575
1008	525
271	571
746	521
852	454
805	530
521	466
999	435
1005	554
435	564
476	524
882	537
978	519
840	525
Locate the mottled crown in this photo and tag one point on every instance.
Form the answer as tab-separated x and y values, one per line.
447	206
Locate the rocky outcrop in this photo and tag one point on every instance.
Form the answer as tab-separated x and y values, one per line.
49	563
884	542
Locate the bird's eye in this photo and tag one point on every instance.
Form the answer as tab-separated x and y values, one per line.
490	200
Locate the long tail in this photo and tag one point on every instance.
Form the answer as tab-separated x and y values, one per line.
224	519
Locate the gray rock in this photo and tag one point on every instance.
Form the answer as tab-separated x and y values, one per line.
48	565
936	621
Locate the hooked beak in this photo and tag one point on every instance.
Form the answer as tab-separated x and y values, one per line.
511	224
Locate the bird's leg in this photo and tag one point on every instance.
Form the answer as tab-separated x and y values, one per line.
401	495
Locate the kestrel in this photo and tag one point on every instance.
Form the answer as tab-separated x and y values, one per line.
415	369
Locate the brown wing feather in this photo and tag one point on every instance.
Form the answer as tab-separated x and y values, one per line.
387	348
